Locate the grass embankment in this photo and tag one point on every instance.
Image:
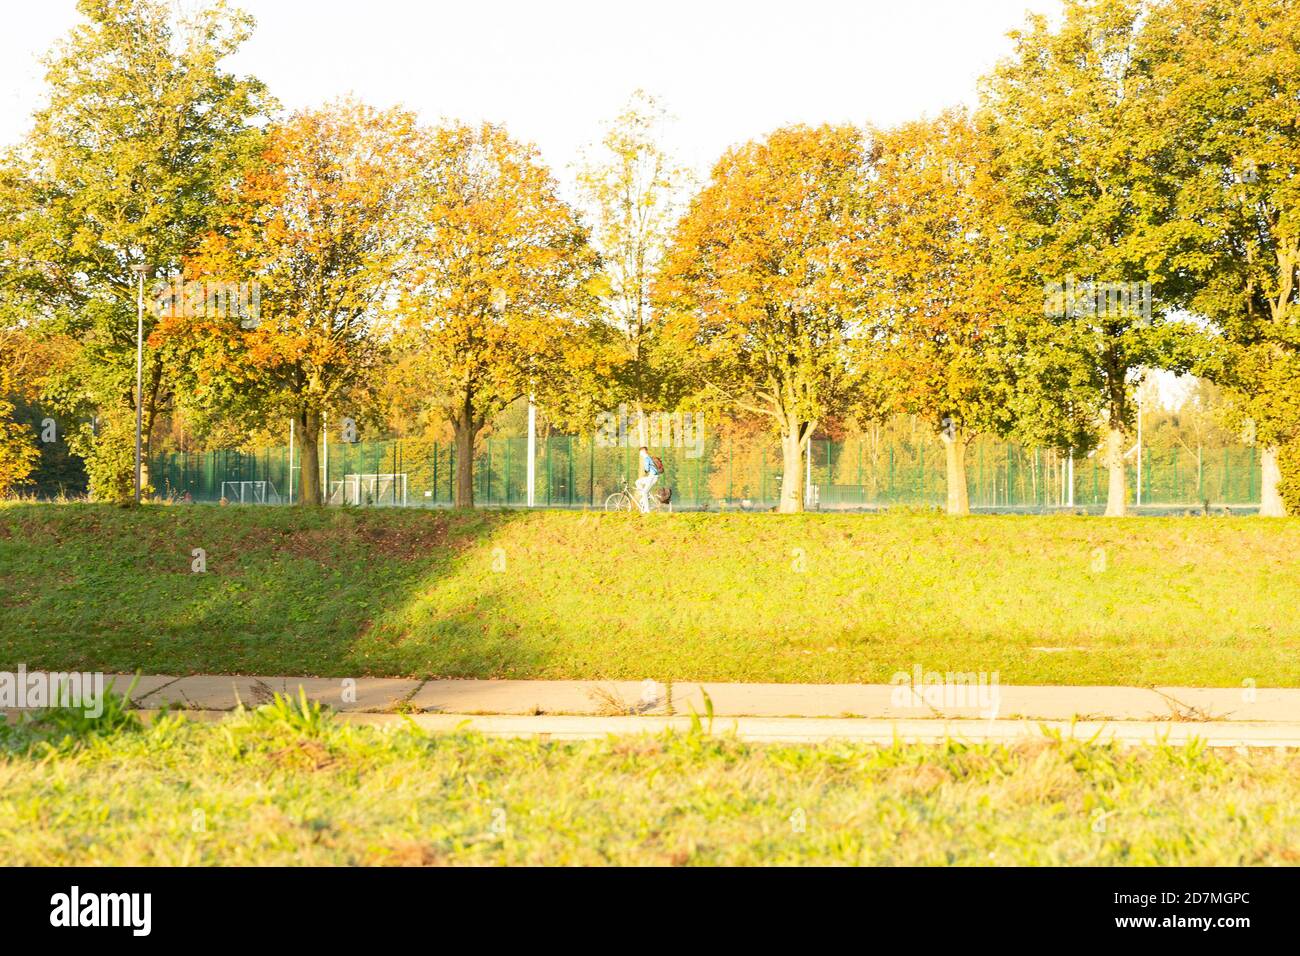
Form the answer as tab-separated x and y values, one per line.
838	598
287	785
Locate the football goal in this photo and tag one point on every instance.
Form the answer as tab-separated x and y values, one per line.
369	489
250	492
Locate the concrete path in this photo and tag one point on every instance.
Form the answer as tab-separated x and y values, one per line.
650	698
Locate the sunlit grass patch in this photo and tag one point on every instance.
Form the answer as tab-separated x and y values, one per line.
288	784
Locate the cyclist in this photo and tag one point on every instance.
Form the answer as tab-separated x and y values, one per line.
651	470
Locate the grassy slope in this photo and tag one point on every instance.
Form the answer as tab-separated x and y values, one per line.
726	597
272	788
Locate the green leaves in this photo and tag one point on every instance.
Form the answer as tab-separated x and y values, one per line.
1090	163
1229	87
126	164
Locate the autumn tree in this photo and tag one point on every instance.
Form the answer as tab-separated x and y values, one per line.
322	222
499	301
766	275
1087	175
1229	88
631	190
124	166
941	294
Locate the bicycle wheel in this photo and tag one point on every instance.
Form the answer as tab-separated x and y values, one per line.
619	501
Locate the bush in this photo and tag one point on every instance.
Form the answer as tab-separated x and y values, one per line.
110	459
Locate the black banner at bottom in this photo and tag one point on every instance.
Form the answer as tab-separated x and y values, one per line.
334	906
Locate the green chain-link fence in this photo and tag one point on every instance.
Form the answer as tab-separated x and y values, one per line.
574	472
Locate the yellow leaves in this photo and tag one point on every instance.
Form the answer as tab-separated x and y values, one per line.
778	221
321	222
501	268
767	269
599	285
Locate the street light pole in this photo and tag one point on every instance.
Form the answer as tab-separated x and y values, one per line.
139	372
1139	475
807	481
532	450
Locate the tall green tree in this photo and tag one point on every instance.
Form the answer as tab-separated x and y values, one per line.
1229	89
1070	114
766	280
124	167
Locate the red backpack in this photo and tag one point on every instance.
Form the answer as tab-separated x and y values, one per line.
658	463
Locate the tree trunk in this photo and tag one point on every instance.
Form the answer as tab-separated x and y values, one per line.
307	434
642	432
955	450
1270	502
792	469
464	493
1116	495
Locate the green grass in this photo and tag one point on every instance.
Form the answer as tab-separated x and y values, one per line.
837	598
289	785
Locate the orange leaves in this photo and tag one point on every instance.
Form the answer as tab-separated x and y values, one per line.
323	224
768	265
502	269
937	282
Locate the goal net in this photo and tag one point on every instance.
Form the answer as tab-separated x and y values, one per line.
369	489
250	492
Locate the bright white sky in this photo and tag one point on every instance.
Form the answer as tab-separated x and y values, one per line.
554	70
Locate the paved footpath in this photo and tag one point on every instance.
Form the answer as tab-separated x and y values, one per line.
878	713
649	698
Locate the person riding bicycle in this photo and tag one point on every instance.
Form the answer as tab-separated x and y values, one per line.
651	471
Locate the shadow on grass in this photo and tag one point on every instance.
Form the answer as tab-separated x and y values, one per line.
820	598
284	591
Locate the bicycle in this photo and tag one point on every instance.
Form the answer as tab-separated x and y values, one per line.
627	500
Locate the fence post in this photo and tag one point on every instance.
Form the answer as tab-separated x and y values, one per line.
830	471
1009	467
921	467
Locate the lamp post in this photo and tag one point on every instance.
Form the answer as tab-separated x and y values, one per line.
807	481
532	450
1139	423
139	270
